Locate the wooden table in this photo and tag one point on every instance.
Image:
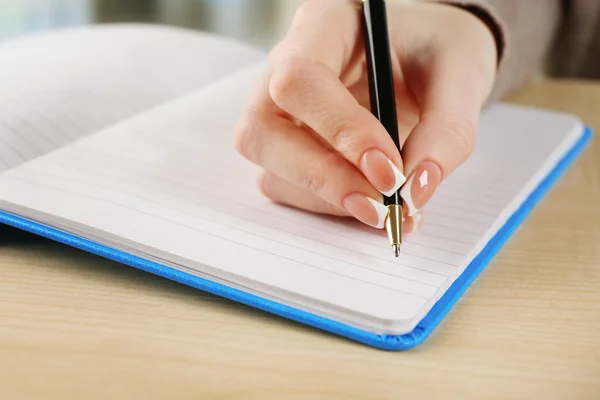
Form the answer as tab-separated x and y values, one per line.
77	326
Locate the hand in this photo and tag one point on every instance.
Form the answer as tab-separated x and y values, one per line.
308	125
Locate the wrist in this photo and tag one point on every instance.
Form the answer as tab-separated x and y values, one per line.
486	17
490	22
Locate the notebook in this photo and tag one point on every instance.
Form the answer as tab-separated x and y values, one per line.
118	140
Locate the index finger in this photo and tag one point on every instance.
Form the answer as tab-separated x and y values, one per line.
312	93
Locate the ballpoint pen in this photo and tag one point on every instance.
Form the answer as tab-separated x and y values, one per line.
382	99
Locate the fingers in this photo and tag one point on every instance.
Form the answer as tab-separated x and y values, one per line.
312	35
283	192
412	224
306	84
312	93
303	125
436	147
407	109
451	92
291	153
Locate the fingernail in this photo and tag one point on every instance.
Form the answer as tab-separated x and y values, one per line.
381	172
417	221
365	209
413	224
420	186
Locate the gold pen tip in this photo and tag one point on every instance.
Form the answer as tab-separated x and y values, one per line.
396	250
393	226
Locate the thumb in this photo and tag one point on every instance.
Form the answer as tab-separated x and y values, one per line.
451	98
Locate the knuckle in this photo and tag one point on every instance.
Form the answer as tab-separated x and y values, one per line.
462	131
246	135
313	178
343	135
287	80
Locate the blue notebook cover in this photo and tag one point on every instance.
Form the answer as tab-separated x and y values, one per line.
384	342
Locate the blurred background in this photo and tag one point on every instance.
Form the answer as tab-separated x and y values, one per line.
259	22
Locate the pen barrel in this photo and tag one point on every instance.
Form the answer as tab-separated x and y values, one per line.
379	66
393	224
382	95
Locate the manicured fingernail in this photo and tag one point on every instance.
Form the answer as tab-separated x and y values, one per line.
417	221
413	224
381	172
366	210
420	186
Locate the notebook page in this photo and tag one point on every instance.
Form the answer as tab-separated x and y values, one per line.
60	86
170	183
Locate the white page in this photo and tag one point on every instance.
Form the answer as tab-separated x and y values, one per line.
171	182
59	86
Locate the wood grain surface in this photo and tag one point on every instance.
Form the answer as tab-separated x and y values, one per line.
75	326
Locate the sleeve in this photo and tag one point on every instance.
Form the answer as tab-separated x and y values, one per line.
525	33
577	51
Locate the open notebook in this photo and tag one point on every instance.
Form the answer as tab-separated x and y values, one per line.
118	141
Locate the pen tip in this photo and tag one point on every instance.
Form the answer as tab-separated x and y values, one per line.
396	250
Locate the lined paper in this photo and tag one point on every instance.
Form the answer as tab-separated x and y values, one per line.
169	184
61	86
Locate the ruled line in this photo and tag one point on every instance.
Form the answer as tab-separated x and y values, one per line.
227	239
185	171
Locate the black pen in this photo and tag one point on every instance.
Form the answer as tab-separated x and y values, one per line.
382	98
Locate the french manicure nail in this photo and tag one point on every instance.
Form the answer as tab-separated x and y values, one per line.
420	186
413	224
366	209
416	221
381	172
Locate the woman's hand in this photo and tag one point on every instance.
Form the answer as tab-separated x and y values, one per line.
308	124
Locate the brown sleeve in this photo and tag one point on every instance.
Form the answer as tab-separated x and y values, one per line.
577	51
525	32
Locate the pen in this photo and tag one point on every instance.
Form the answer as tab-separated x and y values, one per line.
382	99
